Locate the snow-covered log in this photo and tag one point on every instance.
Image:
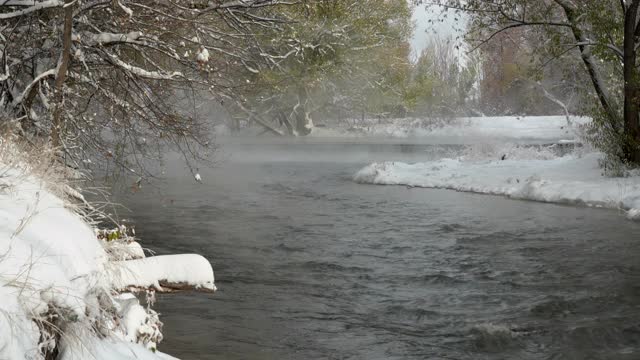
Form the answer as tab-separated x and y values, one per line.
165	273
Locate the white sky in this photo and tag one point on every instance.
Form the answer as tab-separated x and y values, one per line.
423	29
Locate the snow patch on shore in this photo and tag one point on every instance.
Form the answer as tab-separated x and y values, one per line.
572	179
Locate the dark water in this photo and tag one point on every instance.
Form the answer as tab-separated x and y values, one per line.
310	265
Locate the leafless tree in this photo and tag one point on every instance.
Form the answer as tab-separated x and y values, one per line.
117	81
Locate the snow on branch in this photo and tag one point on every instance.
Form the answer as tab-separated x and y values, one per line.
32	6
48	73
107	38
155	75
238	4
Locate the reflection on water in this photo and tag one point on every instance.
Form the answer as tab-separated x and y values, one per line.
311	265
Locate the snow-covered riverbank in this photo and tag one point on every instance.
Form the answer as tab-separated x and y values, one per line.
545	129
477	129
66	290
571	179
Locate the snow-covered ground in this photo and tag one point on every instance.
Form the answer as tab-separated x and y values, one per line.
477	129
63	287
525	173
455	131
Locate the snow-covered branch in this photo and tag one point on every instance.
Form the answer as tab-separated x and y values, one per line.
155	75
37	79
247	4
32	7
108	38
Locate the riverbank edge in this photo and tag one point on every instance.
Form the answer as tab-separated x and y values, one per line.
574	179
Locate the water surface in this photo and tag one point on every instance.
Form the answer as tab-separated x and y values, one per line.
311	265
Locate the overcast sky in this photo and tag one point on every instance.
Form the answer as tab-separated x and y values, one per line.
424	29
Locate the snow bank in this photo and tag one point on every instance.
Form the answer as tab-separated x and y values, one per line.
633	214
57	272
49	257
570	179
79	344
512	127
476	129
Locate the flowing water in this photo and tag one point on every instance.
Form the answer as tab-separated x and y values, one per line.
311	265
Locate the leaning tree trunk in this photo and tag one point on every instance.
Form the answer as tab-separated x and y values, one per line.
304	125
631	145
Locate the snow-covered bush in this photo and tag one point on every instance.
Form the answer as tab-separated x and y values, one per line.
610	139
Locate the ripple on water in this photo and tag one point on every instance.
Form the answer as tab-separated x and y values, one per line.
329	267
451	228
493	337
289	249
406	313
553	306
319	267
431	279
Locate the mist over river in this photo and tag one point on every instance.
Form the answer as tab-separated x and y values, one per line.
311	265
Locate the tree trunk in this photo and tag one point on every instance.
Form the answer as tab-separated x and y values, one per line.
589	62
61	77
304	124
631	145
259	120
284	120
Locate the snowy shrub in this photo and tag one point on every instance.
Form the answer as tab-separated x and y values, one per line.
120	243
608	138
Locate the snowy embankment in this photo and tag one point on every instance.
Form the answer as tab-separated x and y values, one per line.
476	129
64	286
572	179
542	129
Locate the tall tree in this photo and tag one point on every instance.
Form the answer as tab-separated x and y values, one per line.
441	84
330	54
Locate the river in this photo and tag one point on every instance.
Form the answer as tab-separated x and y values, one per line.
311	265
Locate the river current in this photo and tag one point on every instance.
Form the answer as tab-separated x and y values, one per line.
311	265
